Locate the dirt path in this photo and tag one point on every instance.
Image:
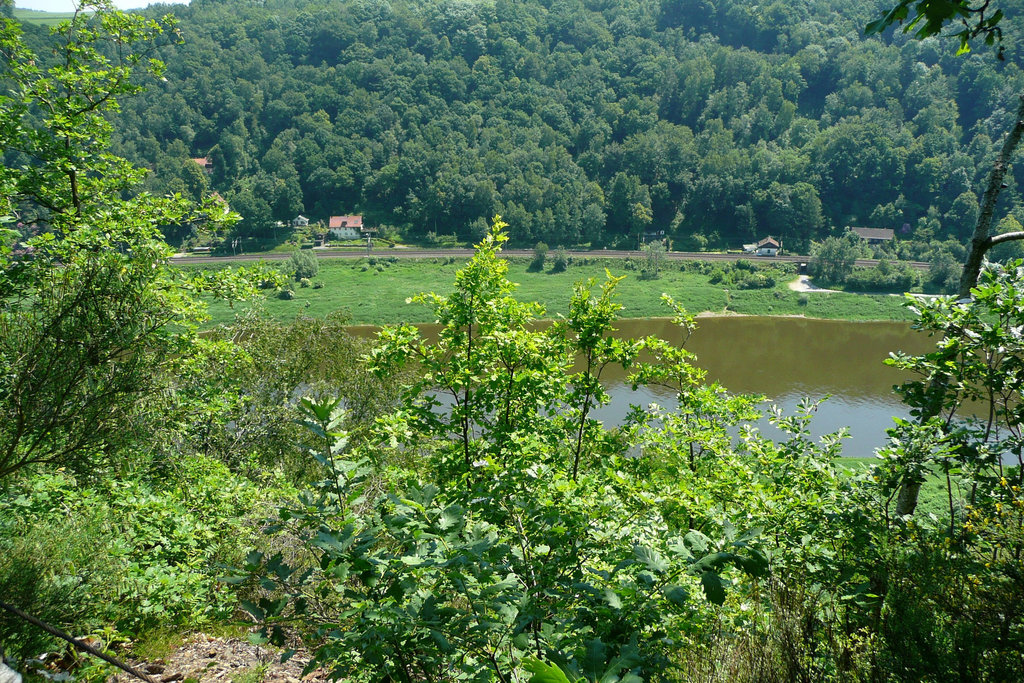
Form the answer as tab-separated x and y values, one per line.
231	660
803	284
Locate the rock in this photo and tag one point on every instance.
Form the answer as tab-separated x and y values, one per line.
9	675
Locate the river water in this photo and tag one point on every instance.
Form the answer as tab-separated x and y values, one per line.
786	360
789	359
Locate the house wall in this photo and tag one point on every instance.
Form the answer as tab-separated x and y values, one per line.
345	233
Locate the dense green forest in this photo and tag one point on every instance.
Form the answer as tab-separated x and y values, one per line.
449	507
580	122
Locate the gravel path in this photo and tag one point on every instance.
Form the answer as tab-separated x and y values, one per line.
803	284
204	658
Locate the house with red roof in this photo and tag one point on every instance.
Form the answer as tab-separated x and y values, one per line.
345	227
204	164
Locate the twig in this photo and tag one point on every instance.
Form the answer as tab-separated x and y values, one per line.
85	647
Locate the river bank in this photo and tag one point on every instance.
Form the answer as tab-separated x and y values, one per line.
375	291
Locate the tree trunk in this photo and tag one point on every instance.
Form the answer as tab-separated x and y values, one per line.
981	241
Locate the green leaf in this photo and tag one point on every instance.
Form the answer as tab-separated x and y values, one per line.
232	580
651	559
612	598
453	515
711	582
629	657
251	607
594	659
442	642
754	563
544	673
677	595
697	542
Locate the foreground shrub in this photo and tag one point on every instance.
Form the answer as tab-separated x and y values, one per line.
122	554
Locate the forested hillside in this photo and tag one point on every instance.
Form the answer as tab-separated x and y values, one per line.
579	121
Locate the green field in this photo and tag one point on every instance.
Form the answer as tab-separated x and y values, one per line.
376	293
32	16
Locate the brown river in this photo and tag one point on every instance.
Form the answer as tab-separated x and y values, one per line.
786	360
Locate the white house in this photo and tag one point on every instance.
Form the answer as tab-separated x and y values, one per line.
769	246
346	227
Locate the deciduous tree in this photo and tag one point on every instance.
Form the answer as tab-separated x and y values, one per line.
89	308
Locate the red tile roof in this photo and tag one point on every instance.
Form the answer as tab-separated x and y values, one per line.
346	222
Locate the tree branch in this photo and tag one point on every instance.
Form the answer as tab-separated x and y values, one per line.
980	241
1005	237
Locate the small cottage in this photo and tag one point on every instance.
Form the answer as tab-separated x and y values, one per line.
300	221
204	164
345	227
874	235
769	246
653	236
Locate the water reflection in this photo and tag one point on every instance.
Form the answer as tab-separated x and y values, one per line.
787	359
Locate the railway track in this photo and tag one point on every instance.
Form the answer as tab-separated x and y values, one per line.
466	253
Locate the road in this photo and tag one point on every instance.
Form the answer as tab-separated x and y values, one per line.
466	253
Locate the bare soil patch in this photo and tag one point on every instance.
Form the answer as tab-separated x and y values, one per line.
205	658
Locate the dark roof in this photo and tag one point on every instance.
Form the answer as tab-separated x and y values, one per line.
873	233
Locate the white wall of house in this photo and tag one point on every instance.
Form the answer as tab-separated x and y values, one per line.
345	233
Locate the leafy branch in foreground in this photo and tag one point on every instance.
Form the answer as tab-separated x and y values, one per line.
929	17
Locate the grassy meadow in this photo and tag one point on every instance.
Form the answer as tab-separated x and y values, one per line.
375	291
32	16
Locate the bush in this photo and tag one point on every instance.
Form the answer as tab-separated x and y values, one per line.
757	279
122	553
560	261
540	254
286	294
512	541
304	264
653	255
318	284
885	277
944	273
304	282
